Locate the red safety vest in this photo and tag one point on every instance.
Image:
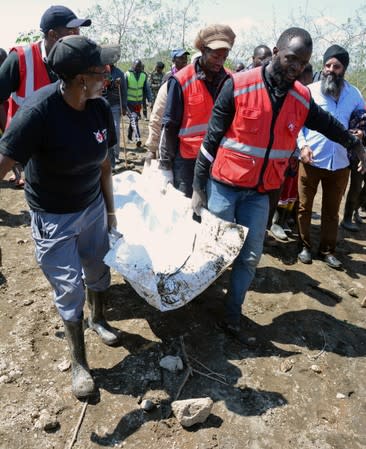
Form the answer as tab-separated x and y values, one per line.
32	75
198	104
254	152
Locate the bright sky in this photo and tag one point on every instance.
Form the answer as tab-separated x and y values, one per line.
24	15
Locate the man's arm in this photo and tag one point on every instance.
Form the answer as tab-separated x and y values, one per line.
152	141
221	118
9	76
6	164
172	119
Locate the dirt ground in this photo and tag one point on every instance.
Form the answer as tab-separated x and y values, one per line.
300	385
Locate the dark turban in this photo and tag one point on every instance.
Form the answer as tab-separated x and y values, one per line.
338	52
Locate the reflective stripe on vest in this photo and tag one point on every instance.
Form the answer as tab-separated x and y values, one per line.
196	129
29	79
188	82
231	144
32	76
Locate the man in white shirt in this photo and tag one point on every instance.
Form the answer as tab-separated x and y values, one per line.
329	162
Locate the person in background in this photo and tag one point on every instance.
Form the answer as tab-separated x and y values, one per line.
179	60
356	193
261	55
191	95
116	95
251	135
61	134
144	100
155	80
3	113
288	194
239	67
4	105
25	70
153	139
328	162
137	88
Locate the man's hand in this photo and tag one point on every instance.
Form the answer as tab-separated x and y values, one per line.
167	178
306	155
199	200
150	155
358	133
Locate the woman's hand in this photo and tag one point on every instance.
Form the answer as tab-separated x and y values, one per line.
112	220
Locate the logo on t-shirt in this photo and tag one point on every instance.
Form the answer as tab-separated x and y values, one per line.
100	136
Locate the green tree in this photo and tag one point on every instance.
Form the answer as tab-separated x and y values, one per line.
28	36
142	28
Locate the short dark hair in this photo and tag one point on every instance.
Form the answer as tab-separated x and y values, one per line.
290	33
258	48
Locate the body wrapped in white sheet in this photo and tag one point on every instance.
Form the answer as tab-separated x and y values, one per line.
166	256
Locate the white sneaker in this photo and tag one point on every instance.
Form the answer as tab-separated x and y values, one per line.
278	232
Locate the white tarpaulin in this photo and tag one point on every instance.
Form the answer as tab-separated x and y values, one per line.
166	256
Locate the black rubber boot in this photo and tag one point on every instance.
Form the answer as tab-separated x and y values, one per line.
96	321
82	382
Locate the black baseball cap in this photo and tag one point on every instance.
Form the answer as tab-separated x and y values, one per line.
74	54
60	16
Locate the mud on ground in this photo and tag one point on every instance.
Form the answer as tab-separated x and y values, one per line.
300	385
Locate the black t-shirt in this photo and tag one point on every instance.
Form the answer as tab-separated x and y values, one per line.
61	148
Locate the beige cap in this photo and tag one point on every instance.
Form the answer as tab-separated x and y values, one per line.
214	37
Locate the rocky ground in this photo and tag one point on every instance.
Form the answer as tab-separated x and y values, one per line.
300	384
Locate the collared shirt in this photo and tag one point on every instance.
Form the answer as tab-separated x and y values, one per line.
326	153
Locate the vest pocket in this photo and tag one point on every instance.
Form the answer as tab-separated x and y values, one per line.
250	120
195	105
236	168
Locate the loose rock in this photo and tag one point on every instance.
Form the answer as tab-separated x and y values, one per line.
352	292
192	411
147	405
171	363
316	369
46	422
341	396
363	302
287	365
64	365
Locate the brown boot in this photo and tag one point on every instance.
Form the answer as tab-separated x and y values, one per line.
96	321
82	382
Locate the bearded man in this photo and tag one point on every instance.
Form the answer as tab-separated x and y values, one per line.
328	161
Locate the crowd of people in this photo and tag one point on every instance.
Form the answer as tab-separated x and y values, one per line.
252	146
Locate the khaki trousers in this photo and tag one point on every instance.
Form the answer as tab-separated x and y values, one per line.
334	184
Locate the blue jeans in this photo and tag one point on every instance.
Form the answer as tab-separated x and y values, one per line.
183	170
248	208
